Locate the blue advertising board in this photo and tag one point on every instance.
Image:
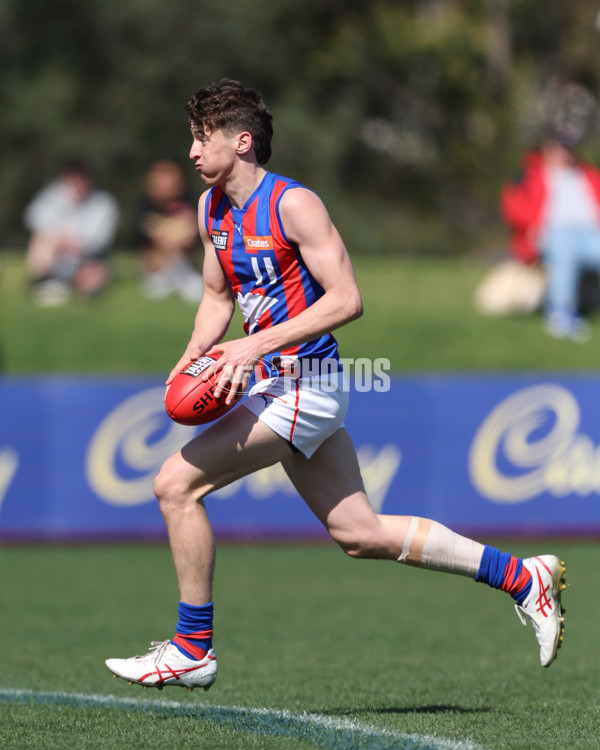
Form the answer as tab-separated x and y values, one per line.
481	454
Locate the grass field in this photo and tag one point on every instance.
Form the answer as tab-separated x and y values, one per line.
418	313
315	650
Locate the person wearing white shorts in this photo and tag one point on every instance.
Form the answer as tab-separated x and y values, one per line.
305	411
271	246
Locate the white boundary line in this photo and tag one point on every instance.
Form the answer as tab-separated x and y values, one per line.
323	731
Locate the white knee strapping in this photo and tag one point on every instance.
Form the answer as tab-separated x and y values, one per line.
412	527
430	545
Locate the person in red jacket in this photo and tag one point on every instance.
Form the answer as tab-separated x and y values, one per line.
554	216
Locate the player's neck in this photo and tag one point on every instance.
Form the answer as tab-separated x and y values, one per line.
240	186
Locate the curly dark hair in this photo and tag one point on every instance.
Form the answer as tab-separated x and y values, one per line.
232	107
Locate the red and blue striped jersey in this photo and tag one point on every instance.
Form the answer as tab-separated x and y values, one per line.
265	270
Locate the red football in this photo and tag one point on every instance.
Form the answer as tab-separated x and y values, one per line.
190	400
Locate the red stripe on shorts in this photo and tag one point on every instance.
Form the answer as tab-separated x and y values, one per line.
296	409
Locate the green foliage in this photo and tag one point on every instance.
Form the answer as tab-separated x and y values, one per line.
297	628
415	111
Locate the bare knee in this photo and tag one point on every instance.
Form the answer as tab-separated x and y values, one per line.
176	487
359	540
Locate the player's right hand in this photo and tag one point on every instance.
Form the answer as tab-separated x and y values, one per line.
192	352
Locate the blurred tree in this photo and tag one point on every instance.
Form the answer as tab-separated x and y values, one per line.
405	115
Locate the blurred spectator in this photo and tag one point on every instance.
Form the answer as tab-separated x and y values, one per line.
554	216
72	225
166	231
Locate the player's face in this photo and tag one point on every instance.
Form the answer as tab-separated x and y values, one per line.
214	155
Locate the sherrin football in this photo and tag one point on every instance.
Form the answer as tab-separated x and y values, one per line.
191	400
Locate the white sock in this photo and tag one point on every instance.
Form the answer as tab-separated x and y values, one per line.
430	545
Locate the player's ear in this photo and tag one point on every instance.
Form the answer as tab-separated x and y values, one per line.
244	142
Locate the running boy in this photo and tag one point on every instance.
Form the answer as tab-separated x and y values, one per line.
270	243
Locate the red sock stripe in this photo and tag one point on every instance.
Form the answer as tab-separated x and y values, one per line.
522	580
186	641
511	584
199	634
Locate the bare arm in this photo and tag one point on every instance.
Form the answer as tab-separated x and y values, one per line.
307	223
216	307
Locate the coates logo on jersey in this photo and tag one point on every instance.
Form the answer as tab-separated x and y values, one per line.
219	238
254	244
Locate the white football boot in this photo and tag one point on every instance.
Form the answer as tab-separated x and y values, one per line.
164	664
543	606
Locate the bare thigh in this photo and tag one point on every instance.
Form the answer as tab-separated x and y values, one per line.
238	444
331	484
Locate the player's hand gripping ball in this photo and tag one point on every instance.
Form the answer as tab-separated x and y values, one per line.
191	400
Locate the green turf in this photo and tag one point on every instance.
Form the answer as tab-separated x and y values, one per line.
298	628
418	314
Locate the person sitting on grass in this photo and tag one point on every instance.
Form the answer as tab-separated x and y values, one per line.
73	226
166	234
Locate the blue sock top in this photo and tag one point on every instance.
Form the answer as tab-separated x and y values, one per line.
193	618
492	567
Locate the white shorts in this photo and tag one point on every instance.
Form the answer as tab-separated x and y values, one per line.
304	411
